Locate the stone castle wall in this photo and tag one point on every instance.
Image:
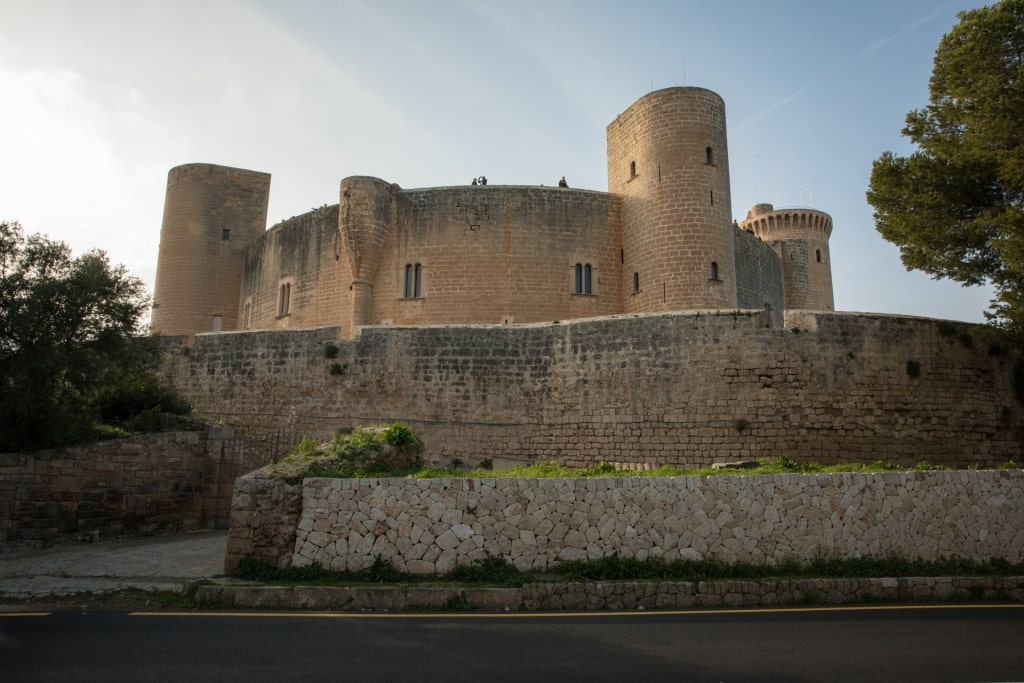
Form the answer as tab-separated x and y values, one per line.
686	389
129	486
303	252
428	526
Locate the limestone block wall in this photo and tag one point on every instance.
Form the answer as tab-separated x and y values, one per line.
759	278
138	485
687	389
431	526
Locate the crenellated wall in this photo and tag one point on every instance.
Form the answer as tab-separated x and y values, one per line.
687	389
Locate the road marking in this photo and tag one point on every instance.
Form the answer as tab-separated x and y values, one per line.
567	615
24	614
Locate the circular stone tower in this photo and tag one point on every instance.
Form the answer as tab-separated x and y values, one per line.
211	214
800	238
668	159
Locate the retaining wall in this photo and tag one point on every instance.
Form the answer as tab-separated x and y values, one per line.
427	526
687	389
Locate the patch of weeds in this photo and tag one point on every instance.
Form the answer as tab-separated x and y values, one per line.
330	351
338	369
397	434
925	466
492	570
913	369
382	571
1011	465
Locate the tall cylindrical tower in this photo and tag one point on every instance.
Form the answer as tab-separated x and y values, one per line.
211	213
800	238
668	158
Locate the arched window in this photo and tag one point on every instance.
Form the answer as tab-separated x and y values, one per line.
709	156
714	270
636	282
582	279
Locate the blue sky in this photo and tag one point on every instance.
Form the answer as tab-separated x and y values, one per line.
98	100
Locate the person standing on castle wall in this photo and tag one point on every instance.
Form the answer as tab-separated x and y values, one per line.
562	183
483	180
474	182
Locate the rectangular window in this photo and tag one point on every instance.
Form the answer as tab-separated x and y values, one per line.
284	299
225	234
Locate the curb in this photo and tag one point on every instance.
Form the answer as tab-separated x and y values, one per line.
615	595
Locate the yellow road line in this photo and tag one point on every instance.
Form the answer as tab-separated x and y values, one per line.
567	615
24	614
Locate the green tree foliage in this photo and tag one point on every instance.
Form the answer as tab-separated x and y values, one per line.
70	351
955	207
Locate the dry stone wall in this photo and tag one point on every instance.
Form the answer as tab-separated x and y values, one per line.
427	526
687	389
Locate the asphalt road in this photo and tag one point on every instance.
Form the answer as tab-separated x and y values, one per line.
876	644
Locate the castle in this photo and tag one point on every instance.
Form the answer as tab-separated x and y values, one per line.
640	326
661	239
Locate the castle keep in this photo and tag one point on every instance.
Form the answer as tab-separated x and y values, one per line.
639	326
661	239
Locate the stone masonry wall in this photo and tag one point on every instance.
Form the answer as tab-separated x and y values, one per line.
687	389
134	486
427	526
759	277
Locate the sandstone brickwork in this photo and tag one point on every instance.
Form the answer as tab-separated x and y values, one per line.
641	391
211	213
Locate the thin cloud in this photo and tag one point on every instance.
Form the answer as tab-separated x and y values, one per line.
866	52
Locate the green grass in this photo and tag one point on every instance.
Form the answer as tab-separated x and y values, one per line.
353	456
496	571
778	465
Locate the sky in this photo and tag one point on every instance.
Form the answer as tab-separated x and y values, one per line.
100	99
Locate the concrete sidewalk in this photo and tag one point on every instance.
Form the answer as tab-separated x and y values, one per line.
155	563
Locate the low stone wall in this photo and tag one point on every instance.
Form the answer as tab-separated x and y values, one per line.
617	595
264	518
427	526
